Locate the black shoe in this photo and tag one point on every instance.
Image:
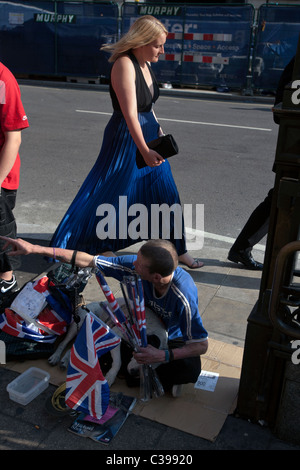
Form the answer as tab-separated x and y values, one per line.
8	287
245	257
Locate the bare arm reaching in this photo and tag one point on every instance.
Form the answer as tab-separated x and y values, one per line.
22	247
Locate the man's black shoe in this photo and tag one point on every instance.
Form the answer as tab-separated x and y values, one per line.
8	287
245	257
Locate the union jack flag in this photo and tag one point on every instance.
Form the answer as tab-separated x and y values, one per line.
110	298
86	388
50	322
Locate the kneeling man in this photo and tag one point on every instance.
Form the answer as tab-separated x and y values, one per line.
169	291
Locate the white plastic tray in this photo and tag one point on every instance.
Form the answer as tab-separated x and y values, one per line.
28	385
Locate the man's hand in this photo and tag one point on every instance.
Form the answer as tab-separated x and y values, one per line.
149	355
19	246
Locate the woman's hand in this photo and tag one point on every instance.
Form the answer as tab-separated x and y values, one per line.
153	158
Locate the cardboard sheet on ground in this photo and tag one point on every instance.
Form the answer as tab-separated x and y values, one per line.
198	411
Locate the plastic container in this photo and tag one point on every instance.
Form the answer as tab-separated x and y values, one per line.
28	385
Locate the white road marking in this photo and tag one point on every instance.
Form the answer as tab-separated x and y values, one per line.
44	232
221	238
188	122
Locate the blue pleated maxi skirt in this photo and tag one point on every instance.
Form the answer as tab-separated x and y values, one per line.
112	209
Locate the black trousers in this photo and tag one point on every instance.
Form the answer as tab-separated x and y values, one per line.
256	226
181	371
8	228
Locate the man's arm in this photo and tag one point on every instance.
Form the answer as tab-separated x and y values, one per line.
150	355
21	247
195	348
9	153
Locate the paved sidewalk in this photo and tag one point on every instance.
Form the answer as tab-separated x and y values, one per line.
227	294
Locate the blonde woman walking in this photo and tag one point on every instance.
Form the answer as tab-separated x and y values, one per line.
133	91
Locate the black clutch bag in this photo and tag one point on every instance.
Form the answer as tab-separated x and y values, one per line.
165	145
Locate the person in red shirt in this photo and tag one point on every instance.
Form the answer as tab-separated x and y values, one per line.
12	120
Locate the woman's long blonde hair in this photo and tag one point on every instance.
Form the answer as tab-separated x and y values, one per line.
143	31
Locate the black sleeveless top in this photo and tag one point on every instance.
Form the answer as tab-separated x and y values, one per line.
143	93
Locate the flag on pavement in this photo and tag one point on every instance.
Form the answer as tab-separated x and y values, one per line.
86	388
